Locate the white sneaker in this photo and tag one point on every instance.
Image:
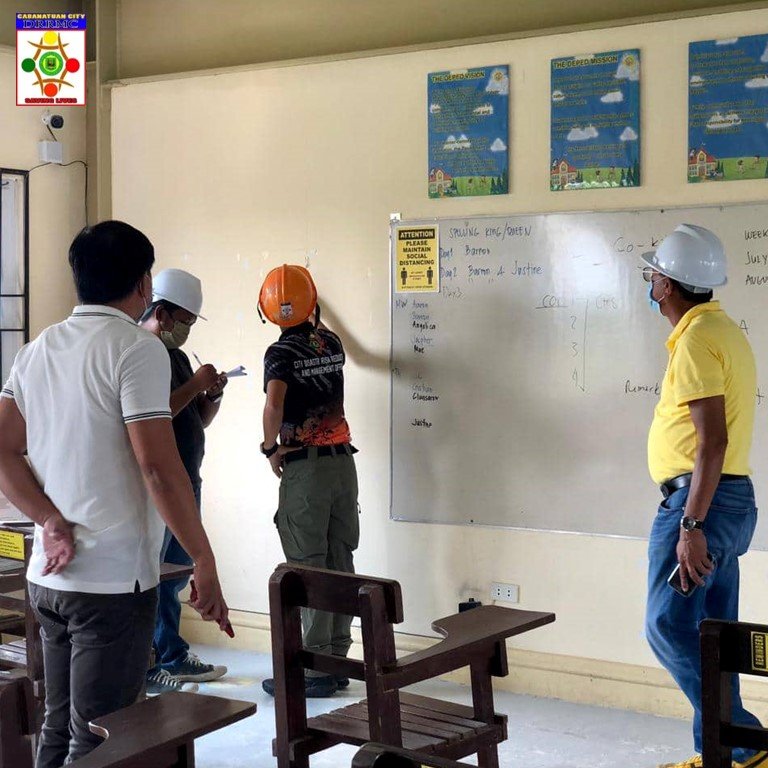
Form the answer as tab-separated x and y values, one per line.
160	682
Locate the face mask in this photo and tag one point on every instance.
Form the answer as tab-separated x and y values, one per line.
655	305
177	337
146	307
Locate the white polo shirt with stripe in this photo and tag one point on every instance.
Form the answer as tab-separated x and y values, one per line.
77	386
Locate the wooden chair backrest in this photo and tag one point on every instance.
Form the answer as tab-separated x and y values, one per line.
17	720
334	591
729	648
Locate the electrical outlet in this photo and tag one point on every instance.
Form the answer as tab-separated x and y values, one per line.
508	593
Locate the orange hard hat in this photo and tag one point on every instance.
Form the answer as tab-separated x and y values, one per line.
288	296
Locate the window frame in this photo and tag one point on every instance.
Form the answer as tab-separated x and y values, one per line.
24	296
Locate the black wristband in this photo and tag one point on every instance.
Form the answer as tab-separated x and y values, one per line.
269	452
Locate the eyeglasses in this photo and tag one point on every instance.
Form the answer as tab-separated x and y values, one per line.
175	319
649	272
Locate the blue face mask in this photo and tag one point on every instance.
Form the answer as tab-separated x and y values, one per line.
654	305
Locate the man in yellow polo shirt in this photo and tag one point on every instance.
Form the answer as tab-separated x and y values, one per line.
698	453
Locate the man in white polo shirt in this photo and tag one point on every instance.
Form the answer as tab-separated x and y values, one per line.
88	403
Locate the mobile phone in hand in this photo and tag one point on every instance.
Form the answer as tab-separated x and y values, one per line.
674	579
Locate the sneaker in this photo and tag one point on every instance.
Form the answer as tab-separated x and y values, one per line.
342	682
314	687
159	682
759	758
192	670
691	762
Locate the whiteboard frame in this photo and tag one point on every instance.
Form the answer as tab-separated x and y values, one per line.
395	220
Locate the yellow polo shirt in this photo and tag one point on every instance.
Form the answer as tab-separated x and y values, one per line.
709	355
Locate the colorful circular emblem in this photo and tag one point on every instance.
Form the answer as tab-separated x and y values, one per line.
50	64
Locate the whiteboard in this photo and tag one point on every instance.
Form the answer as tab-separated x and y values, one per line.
523	391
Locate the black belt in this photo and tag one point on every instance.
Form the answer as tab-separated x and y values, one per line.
683	481
341	449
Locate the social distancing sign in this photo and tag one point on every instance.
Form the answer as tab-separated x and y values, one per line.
417	260
12	545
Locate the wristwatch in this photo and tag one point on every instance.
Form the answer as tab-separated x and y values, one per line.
215	398
269	452
691	523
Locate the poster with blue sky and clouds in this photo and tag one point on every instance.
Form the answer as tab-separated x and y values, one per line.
728	109
595	129
468	129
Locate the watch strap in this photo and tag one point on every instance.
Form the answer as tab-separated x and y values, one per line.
269	452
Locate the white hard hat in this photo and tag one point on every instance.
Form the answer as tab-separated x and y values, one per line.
180	288
693	256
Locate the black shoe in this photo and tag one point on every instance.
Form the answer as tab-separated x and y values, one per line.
314	687
342	682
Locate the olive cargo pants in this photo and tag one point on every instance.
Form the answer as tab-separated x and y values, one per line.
317	519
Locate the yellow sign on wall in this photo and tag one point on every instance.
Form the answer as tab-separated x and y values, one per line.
417	263
759	661
12	545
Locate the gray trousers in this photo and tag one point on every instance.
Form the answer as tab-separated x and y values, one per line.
318	522
96	653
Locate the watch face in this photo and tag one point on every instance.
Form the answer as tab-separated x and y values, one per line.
690	524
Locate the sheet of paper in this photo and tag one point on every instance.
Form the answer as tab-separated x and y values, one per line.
239	371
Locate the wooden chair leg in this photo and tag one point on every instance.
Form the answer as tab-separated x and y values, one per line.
488	757
290	700
482	701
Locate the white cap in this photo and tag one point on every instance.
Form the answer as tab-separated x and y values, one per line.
693	256
180	288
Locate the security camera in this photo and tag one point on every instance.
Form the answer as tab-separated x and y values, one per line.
53	121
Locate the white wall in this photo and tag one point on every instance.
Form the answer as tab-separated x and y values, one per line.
57	195
233	174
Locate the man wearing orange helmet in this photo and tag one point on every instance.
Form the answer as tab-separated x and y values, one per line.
317	516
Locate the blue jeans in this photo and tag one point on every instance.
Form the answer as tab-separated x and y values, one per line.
170	647
672	621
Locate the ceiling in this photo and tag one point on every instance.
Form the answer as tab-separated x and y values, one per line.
220	33
208	34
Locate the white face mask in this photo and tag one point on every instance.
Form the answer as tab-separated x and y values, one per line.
177	336
146	307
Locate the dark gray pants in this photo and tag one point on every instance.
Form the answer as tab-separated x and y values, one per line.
96	653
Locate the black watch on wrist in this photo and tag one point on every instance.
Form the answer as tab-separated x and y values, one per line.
269	452
691	523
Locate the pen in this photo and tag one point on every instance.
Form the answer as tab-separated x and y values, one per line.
199	361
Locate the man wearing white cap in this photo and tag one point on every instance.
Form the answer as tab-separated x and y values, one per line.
698	454
177	300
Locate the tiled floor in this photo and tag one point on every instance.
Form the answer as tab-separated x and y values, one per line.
543	733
